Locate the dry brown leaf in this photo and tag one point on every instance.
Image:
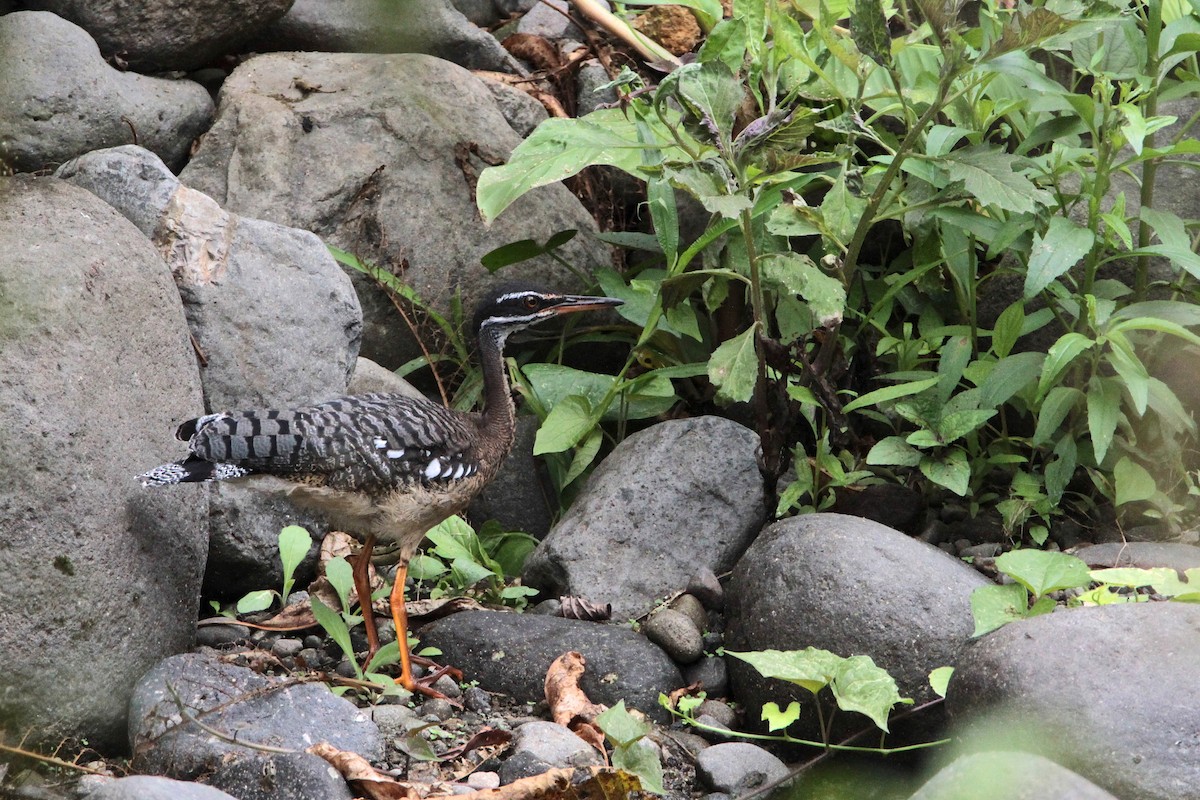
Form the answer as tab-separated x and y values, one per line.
423	611
485	737
364	779
569	706
579	783
583	609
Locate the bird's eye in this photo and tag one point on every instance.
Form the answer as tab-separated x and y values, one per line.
531	302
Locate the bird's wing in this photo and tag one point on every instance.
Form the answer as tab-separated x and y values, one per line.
362	442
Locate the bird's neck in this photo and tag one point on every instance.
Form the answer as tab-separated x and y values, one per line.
499	413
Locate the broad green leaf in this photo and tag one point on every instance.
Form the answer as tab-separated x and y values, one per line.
868	28
426	568
1060	471
1041	571
1135	577
733	368
710	182
646	397
939	679
1158	325
1008	329
1058	403
950	470
810	668
468	572
777	719
569	421
1061	354
340	575
516	252
887	393
1130	369
1010	375
789	219
958	424
797	274
335	626
1185	314
894	451
841	210
996	606
294	544
1133	482
387	654
559	148
956	354
859	685
1104	412
710	95
660	198
641	759
255	601
620	726
585	454
989	174
1063	244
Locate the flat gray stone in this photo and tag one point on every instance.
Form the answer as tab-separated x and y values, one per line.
1145	555
539	746
738	768
99	578
671	499
1008	776
152	787
1111	692
59	99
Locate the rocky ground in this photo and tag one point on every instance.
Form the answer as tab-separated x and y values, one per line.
164	255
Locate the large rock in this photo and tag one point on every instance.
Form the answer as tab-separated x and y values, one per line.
1112	692
99	578
851	586
1008	776
58	98
670	500
161	35
510	653
368	152
251	709
275	320
433	27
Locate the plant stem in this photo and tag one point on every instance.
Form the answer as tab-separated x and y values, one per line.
1150	168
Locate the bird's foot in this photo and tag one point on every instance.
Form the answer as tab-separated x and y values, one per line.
424	685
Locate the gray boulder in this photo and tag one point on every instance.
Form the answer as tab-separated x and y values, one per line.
676	497
275	320
152	787
853	587
1111	692
1008	776
738	768
251	708
58	98
99	578
510	653
539	746
1145	555
160	35
433	27
394	186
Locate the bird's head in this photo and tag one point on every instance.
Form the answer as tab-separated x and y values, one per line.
513	307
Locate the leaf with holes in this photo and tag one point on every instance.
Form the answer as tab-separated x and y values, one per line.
733	368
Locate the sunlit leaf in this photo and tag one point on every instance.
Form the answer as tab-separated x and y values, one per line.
1041	571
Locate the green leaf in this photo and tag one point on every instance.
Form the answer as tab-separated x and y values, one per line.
958	424
255	601
710	95
988	173
776	719
336	628
660	199
797	274
810	668
559	148
1131	370
340	575
1058	403
996	606
1133	482
894	451
877	396
1104	412
733	368
294	544
584	455
468	572
1061	354
950	470
569	421
859	685
710	182
956	354
868	27
1136	577
1063	244
1010	375
621	727
647	396
1008	329
426	568
387	654
1041	571
640	759
939	679
841	210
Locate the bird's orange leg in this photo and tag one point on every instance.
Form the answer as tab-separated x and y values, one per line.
362	587
400	618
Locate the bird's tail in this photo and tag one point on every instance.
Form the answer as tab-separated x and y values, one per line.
191	470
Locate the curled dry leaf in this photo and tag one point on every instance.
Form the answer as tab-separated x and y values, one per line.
365	779
423	611
579	783
485	737
569	705
583	609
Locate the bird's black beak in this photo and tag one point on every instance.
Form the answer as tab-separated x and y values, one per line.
570	303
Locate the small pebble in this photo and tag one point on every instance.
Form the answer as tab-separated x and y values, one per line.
296	597
706	587
483	780
345	669
676	634
550	608
436	709
688	604
448	686
719	711
711	723
985	550
477	700
310	657
287	647
712	675
314	641
217	635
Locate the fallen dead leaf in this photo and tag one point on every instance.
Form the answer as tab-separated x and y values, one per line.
569	705
580	783
363	778
583	609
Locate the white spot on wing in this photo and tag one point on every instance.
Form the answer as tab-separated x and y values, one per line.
395	453
459	471
434	469
381	444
